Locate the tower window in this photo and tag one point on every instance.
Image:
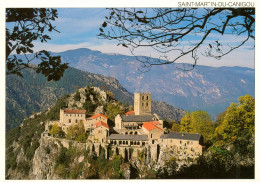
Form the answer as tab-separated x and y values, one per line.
142	104
69	120
147	97
146	104
142	97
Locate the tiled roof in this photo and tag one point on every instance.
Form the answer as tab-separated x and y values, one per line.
149	126
72	111
129	112
99	123
97	115
137	118
183	136
128	137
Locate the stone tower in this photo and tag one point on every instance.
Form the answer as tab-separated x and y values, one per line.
142	103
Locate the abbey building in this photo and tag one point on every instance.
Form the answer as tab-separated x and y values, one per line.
134	131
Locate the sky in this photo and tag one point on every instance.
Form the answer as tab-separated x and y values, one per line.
79	28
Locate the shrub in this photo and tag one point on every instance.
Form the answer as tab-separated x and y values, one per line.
77	96
117	161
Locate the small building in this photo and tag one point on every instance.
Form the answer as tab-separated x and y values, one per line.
183	143
99	117
89	124
72	116
100	132
133	121
154	132
69	117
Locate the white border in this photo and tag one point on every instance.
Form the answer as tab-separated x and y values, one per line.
106	3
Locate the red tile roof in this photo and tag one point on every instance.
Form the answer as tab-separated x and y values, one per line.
149	126
129	112
97	115
72	111
99	123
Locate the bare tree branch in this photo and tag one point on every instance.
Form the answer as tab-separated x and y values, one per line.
167	30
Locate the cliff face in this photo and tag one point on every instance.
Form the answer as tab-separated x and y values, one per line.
45	157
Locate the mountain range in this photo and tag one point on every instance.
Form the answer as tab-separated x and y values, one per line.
204	88
32	93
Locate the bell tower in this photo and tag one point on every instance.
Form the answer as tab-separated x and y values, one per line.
142	103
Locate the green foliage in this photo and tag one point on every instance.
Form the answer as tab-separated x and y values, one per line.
77	96
89	106
27	137
238	126
141	155
220	118
77	132
13	135
117	161
176	127
23	167
30	25
113	109
54	113
31	150
198	122
81	138
151	174
56	131
63	163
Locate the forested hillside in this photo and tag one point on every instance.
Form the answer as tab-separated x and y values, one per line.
33	93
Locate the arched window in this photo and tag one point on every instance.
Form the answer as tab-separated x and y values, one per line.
126	133
142	104
147	97
142	97
69	120
136	133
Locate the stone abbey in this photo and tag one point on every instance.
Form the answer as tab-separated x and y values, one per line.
134	131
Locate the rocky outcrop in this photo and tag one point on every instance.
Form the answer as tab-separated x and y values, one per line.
43	163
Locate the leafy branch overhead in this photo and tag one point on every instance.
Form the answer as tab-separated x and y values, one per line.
179	31
29	25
